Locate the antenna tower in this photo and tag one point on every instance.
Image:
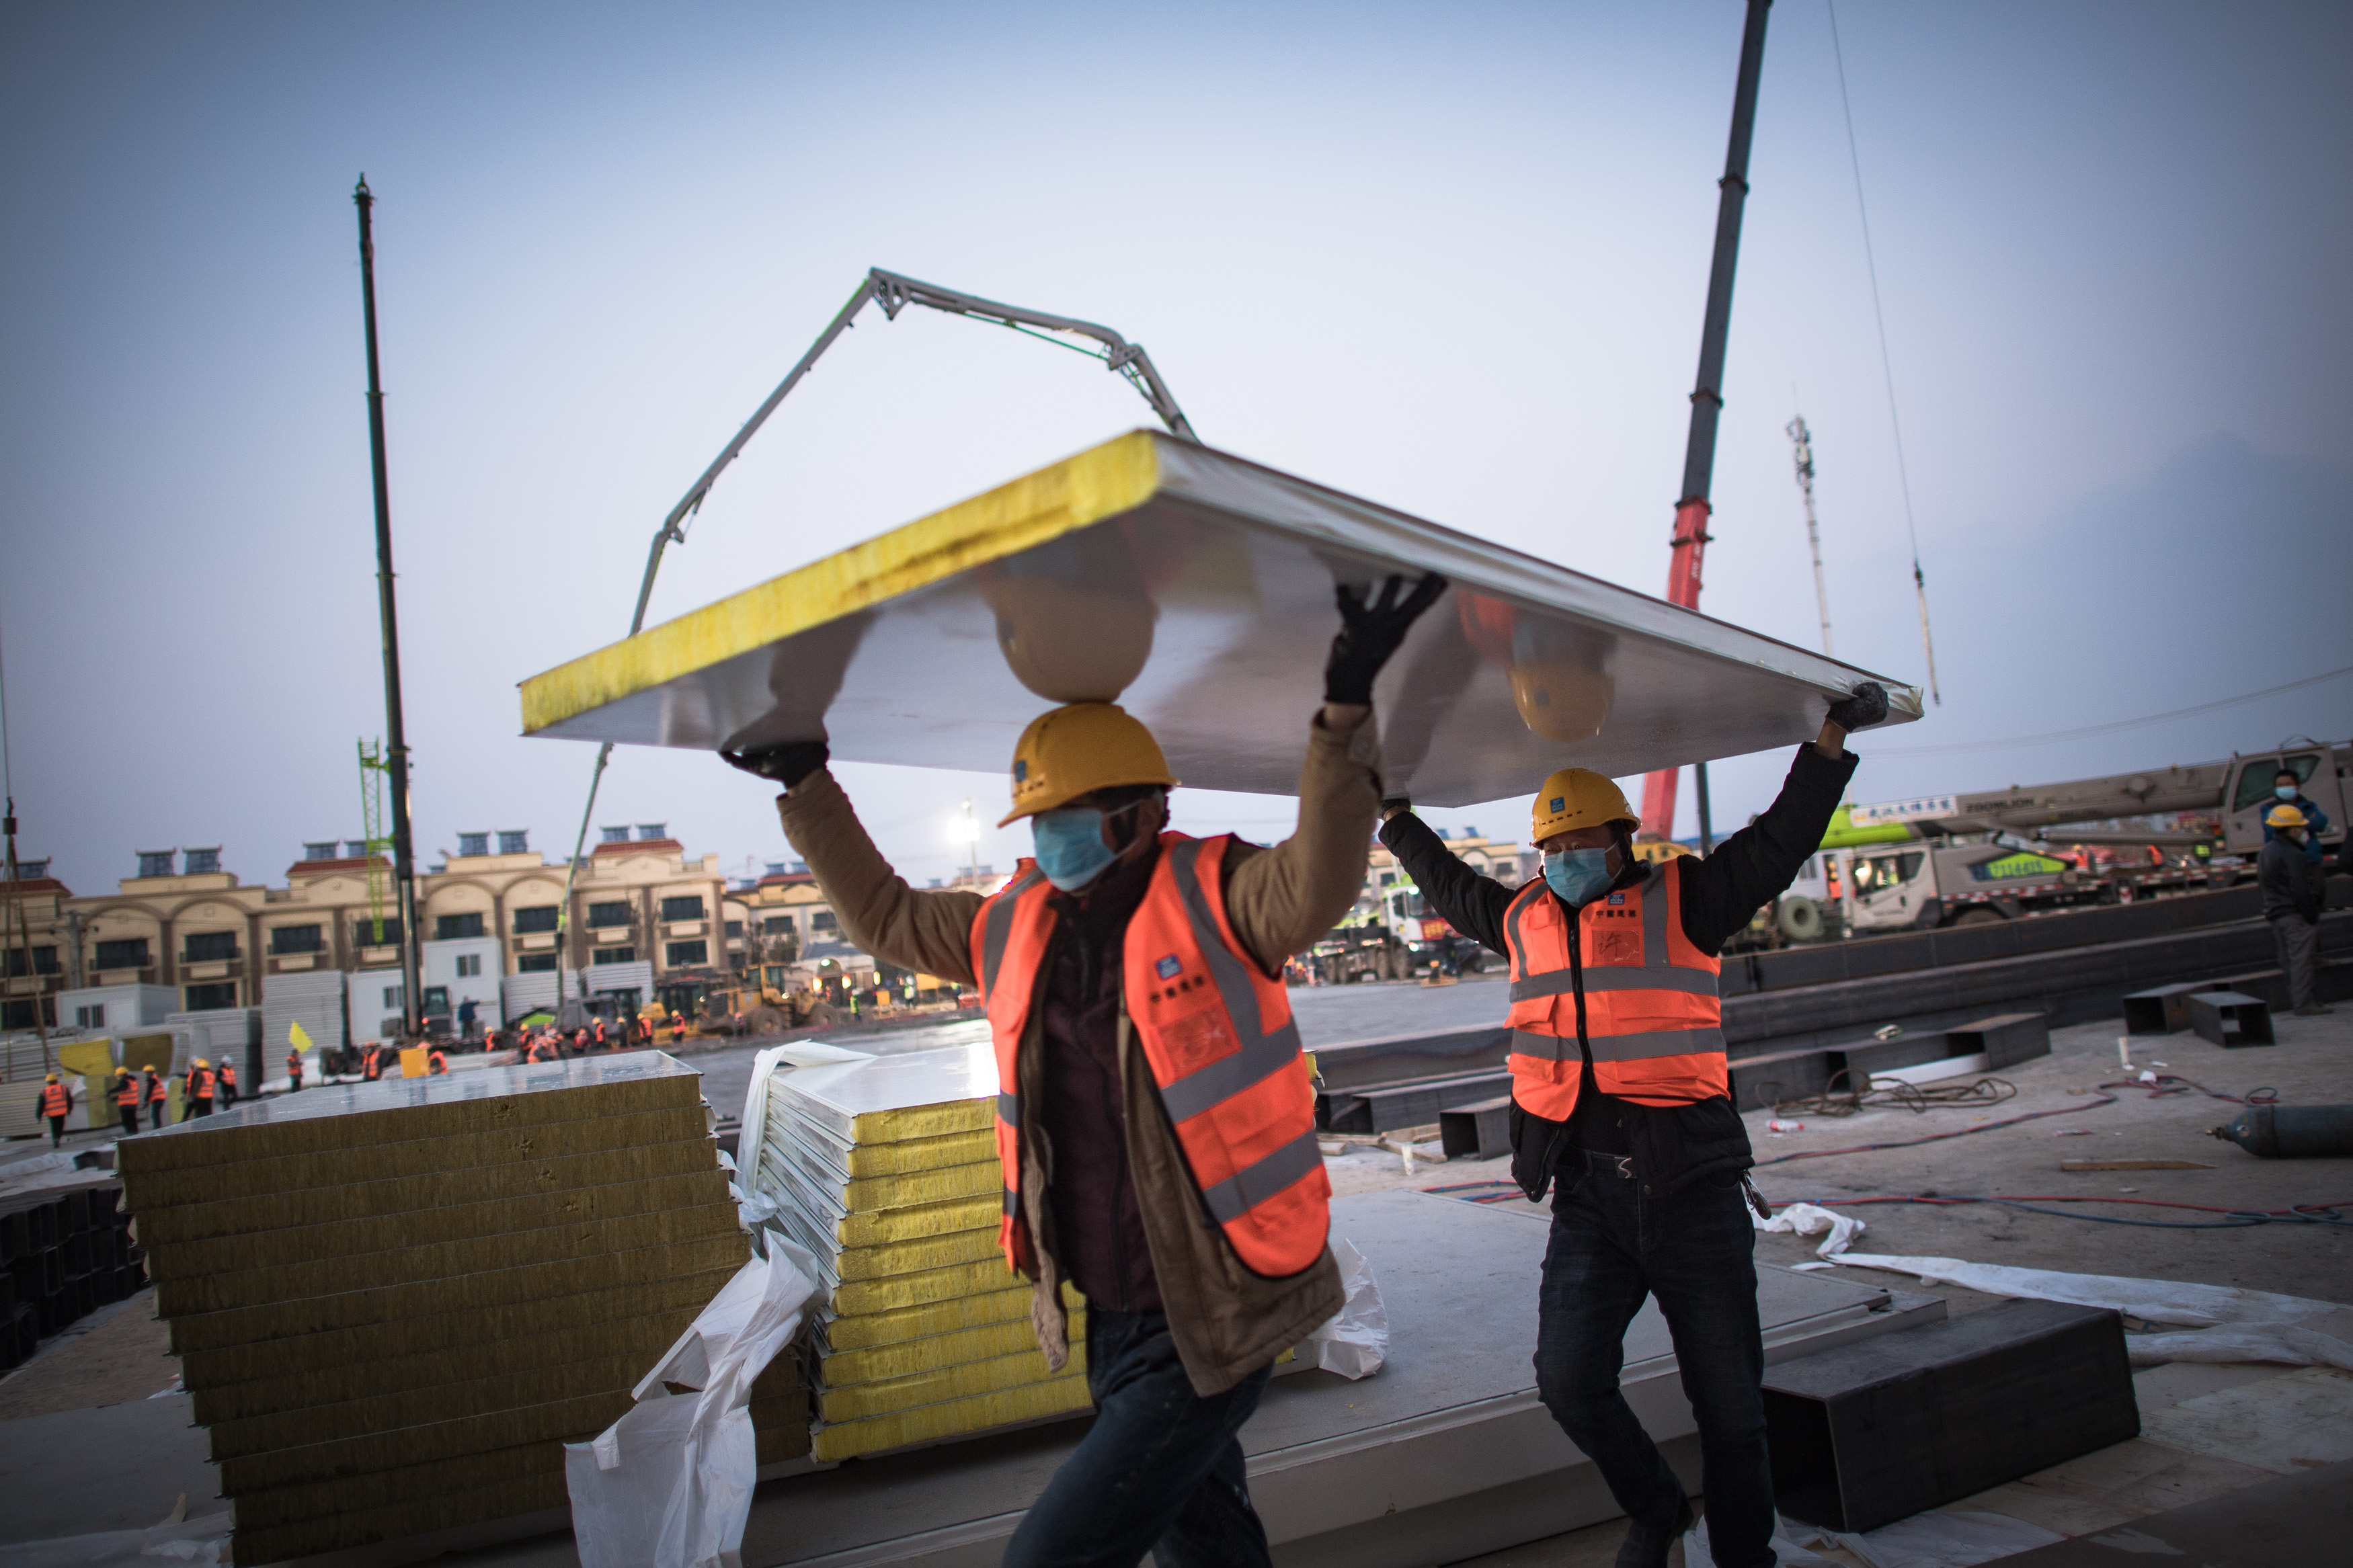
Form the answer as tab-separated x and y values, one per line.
1802	440
373	765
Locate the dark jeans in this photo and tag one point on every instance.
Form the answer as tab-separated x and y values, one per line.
129	1118
155	1108
1162	1471
1694	1251
57	1131
2298	943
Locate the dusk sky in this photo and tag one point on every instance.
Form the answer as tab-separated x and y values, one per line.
1449	258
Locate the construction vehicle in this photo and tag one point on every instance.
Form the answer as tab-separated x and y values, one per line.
1993	856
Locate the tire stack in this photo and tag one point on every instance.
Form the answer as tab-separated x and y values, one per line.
886	1170
67	1252
394	1302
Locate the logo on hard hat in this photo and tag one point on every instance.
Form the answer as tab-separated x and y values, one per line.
1020	769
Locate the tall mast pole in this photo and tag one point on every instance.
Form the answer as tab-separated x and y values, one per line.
404	857
1802	439
1691	535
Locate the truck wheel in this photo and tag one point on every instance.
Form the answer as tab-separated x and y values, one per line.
1801	918
1980	916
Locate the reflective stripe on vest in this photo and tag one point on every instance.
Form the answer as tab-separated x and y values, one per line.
158	1091
200	1085
1217	1034
54	1101
1653	1019
127	1093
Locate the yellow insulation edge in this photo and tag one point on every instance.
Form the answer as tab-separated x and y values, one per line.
1102	482
954	1417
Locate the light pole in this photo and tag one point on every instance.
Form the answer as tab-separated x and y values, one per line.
966	829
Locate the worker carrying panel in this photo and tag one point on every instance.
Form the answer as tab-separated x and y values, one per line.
1196	589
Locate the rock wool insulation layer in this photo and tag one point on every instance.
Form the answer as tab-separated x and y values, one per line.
395	1303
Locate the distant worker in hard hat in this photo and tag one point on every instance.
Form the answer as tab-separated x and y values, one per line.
293	1070
2287	789
159	1097
1621	1104
196	1094
2292	901
227	1075
1154	1118
436	1061
53	1105
126	1100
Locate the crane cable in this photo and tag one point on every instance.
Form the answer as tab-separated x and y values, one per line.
1886	365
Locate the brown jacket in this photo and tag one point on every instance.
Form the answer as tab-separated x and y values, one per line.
1227	1321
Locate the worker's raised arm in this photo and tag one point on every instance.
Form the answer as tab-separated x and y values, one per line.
1472	903
925	930
1756	865
1282	900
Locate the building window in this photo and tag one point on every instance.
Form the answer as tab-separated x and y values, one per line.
734	928
393	995
776	925
470	966
211	947
378	933
614	955
649	831
686	954
320	849
684	909
516	843
298	939
539	918
473	844
615	914
31	871
90	1017
157	862
534	962
203	862
822	921
44	961
205	998
613	835
21	1013
450	928
128	953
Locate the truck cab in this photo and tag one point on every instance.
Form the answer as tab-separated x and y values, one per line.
1920	887
2322	773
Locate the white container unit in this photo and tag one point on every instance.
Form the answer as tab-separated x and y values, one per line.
116	1009
315	998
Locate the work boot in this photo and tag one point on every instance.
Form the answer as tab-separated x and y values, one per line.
1647	1545
2313	1009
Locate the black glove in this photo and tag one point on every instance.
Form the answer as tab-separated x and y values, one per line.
1866	706
1370	631
788	764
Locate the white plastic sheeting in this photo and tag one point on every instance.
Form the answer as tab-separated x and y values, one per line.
2236	1325
1812	1219
1935	1539
669	1484
1355	1343
203	1541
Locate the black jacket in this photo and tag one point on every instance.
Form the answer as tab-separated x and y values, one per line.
1670	1146
2290	883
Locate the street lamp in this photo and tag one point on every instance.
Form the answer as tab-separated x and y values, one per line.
966	829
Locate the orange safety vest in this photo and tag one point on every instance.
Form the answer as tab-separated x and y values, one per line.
228	1075
1217	1034
55	1099
370	1066
436	1062
158	1091
200	1083
126	1094
294	1064
1652	1015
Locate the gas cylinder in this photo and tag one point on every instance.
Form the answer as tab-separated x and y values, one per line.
2291	1132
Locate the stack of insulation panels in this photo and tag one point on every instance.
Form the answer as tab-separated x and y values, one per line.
394	1302
887	1171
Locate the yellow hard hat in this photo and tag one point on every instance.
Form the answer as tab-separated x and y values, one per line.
1574	798
2285	816
1077	749
53	1078
203	1063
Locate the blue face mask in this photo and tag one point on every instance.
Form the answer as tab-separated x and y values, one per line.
1070	849
1578	876
2286	791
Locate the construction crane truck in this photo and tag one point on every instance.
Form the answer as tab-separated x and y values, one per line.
1976	858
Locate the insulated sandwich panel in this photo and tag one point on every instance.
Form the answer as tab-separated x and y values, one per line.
1197	589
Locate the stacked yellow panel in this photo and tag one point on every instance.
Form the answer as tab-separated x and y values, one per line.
887	1171
395	1303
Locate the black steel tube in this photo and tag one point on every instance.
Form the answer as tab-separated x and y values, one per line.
404	857
1707	396
1706	828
